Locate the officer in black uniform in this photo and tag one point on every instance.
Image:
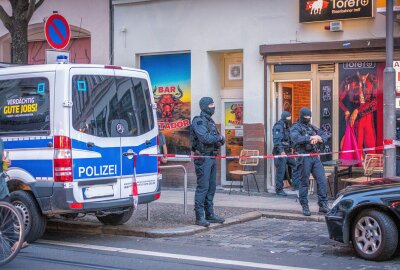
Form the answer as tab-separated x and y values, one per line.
282	146
206	141
306	139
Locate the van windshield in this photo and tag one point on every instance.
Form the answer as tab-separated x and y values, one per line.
25	106
98	100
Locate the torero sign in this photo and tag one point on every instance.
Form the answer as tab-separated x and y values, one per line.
328	10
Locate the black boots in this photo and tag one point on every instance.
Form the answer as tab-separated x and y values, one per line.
323	208
201	221
215	219
205	222
281	193
306	210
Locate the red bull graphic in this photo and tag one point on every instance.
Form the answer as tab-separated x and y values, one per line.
166	103
170	77
315	7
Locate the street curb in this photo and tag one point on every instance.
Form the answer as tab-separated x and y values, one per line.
87	227
91	228
292	216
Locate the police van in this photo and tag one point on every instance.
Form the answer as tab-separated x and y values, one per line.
70	132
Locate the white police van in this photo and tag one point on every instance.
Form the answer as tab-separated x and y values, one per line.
67	128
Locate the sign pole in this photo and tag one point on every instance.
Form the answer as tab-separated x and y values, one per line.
389	95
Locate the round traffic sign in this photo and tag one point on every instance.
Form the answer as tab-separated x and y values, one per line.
57	31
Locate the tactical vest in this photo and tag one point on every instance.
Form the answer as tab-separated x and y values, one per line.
286	143
309	130
197	146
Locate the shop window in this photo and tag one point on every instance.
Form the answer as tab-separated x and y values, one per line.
292	68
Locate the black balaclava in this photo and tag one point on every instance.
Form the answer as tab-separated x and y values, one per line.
204	102
284	117
305	112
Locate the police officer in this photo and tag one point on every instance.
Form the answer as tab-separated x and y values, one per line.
206	141
306	139
282	146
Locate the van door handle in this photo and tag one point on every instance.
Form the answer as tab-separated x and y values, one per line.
147	142
90	144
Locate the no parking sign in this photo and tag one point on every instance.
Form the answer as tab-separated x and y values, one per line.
57	31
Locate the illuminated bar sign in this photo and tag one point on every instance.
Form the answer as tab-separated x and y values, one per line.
330	10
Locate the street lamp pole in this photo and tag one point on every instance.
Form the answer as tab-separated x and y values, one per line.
389	95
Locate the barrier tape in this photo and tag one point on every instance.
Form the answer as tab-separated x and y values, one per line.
387	144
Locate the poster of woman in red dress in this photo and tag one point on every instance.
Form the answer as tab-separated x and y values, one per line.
360	102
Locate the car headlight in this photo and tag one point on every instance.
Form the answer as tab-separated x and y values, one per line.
337	201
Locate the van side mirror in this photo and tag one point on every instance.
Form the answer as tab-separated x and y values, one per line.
119	128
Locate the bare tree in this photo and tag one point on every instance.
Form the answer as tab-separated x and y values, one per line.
17	25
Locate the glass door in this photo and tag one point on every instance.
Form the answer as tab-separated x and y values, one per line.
291	96
232	128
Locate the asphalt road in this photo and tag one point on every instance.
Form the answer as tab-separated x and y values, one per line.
260	244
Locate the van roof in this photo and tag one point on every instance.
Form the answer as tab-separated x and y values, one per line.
53	67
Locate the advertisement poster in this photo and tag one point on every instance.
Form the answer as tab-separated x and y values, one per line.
287	99
233	114
360	106
233	135
326	115
25	106
170	78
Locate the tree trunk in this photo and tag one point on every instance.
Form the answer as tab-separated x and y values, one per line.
19	45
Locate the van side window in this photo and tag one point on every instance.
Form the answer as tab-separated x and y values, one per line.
25	106
98	100
135	104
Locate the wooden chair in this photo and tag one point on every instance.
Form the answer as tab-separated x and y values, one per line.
373	163
247	163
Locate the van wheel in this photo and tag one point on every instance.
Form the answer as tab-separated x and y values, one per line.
116	219
375	235
34	221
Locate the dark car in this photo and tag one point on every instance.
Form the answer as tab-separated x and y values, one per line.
368	215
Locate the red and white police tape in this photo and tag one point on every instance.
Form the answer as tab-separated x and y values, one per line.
387	144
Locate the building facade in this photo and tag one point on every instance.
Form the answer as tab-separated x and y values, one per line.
257	58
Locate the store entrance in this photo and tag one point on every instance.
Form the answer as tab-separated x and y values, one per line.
291	96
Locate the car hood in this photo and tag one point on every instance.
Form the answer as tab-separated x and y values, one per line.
376	184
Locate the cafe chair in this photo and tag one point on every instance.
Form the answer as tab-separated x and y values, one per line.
249	165
373	163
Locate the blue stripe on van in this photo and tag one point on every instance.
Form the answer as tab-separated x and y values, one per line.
107	166
26	143
37	168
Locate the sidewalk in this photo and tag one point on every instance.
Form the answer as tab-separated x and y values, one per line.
167	218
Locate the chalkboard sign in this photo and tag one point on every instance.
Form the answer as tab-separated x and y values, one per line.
326	115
